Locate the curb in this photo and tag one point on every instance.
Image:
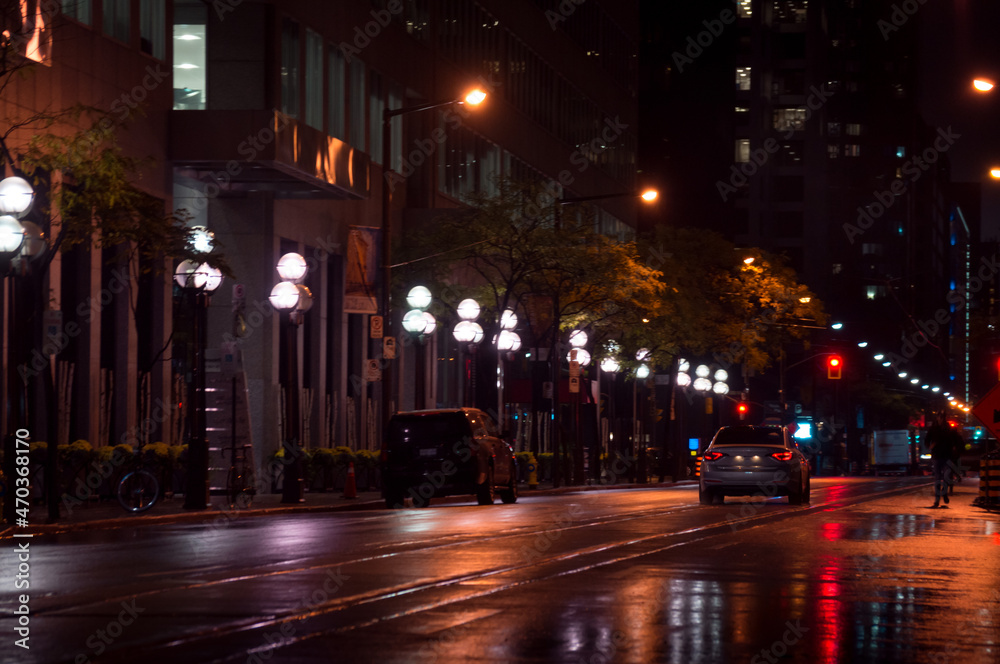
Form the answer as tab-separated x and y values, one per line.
214	512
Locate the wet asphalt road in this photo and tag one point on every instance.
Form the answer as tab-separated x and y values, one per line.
867	573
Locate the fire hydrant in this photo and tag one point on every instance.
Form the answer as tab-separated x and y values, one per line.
532	472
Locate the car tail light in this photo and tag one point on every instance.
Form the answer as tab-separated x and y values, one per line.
783	456
712	456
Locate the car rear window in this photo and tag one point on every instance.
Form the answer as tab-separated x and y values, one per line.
749	436
430	429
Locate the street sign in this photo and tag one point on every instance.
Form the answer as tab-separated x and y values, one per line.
376	327
574	384
389	348
372	372
574	369
987	411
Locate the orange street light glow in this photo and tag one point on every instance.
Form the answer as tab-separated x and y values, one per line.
649	195
995	173
982	84
475	97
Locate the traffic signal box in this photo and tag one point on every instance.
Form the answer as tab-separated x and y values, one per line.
742	409
834	365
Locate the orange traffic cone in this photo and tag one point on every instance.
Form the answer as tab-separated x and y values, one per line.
350	488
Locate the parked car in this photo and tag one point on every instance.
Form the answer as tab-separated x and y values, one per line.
452	451
754	460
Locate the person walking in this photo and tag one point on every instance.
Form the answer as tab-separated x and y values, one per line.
940	439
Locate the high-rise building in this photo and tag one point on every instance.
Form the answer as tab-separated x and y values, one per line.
264	119
793	125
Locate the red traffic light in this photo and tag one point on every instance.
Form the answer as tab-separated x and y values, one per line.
742	409
834	365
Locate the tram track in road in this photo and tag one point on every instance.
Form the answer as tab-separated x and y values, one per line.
376	605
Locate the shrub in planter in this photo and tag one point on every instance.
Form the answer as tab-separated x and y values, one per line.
319	473
366	469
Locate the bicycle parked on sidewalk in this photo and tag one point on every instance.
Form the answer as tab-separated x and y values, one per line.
138	489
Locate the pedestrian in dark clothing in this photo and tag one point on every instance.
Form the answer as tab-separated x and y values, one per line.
940	439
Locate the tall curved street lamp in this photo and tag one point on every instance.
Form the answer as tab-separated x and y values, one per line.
292	300
469	334
647	195
197	280
16	197
472	98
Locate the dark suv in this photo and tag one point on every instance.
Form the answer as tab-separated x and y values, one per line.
428	453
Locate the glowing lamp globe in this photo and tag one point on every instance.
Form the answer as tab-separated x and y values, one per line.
414	321
190	275
610	365
419	297
468	309
16	196
11	234
508	320
292	267
284	296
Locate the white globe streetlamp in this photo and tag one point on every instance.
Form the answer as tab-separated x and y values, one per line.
419	297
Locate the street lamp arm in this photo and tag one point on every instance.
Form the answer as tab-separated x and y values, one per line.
388	114
599	197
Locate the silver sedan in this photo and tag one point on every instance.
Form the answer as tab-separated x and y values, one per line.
754	461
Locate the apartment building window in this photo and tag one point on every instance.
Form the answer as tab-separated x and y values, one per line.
189	56
871	249
314	80
833	129
853	129
832	150
336	91
852	150
290	66
742	150
743	78
790	119
116	19
790	153
376	102
77	9
356	119
790	11
900	151
744	8
152	27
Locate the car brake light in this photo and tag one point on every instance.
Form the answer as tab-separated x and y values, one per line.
712	456
783	456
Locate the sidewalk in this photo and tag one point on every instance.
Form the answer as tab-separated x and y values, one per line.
109	514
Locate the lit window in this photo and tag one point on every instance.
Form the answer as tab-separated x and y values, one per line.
900	152
853	129
743	9
189	58
742	150
852	150
790	119
743	78
832	150
742	109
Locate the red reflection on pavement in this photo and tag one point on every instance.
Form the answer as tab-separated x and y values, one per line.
833	531
827	610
